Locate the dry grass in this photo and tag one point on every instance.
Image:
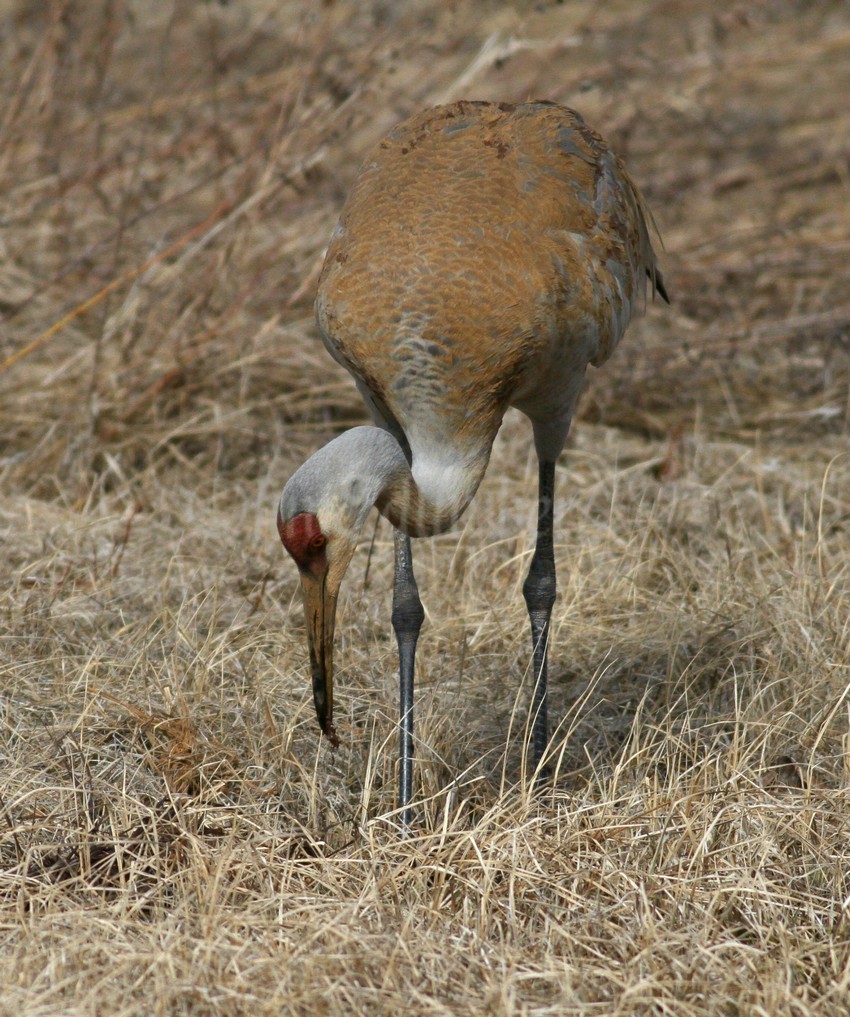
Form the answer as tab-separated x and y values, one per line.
174	837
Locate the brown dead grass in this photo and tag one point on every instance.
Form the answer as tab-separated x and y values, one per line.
174	837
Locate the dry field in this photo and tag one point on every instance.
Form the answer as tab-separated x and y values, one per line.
175	838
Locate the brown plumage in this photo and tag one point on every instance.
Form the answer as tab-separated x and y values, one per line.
486	255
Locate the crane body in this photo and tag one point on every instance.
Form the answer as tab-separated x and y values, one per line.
486	254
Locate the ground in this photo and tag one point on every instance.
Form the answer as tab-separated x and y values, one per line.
175	836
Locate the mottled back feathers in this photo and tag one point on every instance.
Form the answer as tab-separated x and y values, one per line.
486	254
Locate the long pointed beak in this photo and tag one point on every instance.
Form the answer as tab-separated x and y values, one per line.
320	596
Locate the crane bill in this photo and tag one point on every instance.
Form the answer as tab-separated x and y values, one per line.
320	614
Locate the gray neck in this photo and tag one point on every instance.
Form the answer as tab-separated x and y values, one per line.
365	466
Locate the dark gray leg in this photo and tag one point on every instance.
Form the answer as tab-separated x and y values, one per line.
407	621
539	592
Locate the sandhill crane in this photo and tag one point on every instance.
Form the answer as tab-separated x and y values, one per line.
486	255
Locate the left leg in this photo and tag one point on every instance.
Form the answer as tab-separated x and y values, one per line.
407	620
539	592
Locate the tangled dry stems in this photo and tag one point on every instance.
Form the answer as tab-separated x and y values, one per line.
175	838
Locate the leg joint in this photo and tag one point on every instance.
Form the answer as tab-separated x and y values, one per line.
408	613
539	590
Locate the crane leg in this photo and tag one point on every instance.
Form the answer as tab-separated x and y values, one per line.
407	620
539	592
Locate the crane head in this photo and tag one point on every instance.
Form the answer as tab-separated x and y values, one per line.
320	514
322	558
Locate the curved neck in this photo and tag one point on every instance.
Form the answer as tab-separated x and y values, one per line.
366	466
430	494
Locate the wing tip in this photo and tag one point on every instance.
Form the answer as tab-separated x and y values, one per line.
658	286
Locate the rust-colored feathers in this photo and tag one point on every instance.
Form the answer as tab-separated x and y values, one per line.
485	255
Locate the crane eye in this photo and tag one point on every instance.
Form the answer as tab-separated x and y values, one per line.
318	542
